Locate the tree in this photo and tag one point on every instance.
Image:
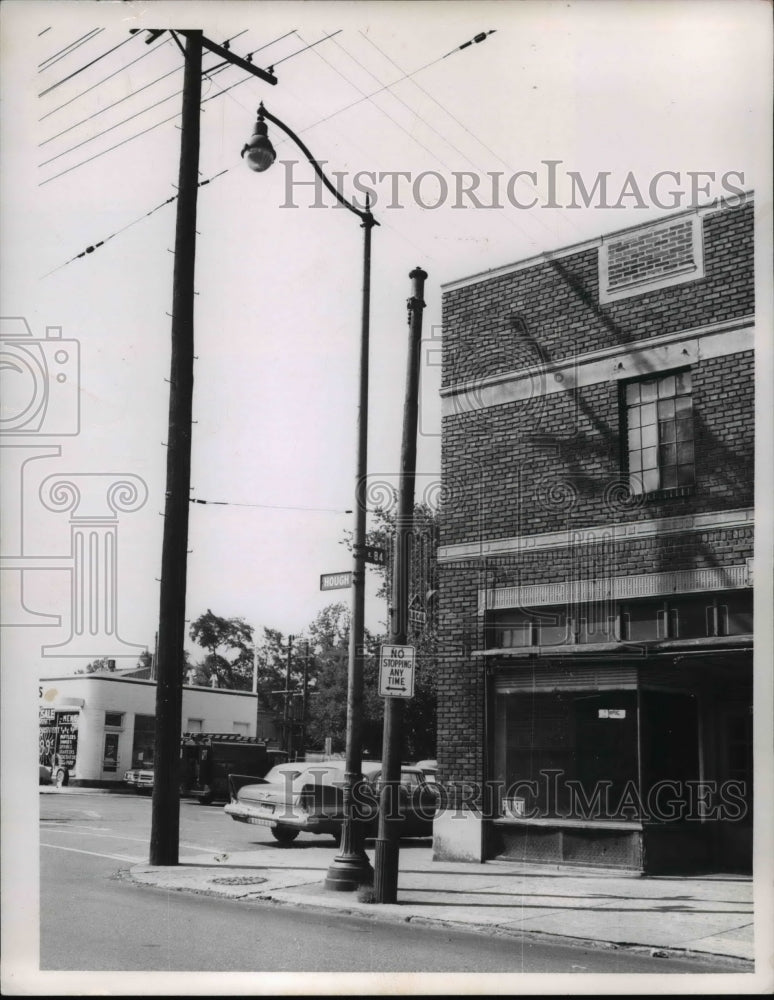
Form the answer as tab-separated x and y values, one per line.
100	665
221	636
328	636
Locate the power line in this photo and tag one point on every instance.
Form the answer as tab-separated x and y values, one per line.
110	76
110	149
110	128
158	48
101	243
61	53
87	66
144	131
101	111
269	506
310	46
462	125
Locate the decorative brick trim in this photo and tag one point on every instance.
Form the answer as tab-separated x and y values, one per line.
610	364
658	256
622	530
689	581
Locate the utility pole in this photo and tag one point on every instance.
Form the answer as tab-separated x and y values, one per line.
304	697
387	849
286	730
165	809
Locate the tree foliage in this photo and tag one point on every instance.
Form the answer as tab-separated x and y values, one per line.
230	653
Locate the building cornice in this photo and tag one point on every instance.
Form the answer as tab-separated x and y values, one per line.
747	198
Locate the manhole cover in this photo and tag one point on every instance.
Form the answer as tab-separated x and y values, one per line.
238	880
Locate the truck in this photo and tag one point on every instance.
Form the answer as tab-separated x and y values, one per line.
206	761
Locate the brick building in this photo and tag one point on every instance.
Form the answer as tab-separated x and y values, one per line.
595	568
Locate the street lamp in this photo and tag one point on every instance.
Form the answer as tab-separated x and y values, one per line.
351	867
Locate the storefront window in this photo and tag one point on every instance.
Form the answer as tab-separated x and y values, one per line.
143	741
567	755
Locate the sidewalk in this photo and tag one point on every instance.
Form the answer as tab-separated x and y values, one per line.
709	915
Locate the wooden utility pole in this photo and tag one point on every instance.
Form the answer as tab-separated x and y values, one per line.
387	850
165	810
287	732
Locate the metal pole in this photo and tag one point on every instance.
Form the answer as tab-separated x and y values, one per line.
387	849
351	867
165	809
286	734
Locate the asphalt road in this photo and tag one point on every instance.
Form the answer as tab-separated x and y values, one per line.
92	919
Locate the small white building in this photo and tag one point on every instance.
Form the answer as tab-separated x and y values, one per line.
100	725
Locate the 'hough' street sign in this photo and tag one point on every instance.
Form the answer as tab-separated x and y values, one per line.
335	581
396	672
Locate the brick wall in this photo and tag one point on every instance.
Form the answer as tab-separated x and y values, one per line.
559	303
555	462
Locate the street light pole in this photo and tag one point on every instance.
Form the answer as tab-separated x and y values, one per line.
351	867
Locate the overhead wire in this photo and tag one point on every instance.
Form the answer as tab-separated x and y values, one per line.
109	107
87	66
144	131
91	248
148	52
158	48
98	135
385	113
268	506
67	49
534	188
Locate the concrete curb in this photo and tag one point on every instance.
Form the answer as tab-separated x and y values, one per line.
298	895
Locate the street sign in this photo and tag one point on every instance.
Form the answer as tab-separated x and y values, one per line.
373	554
396	672
335	581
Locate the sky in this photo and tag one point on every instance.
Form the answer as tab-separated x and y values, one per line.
626	89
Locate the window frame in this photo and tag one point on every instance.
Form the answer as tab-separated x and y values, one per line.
660	492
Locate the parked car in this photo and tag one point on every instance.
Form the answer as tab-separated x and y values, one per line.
308	796
294	797
53	773
417	802
140	778
430	770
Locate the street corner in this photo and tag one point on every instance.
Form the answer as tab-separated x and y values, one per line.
229	875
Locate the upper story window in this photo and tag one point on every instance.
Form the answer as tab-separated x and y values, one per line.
114	719
659	427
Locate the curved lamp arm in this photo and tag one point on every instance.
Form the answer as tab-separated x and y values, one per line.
366	216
